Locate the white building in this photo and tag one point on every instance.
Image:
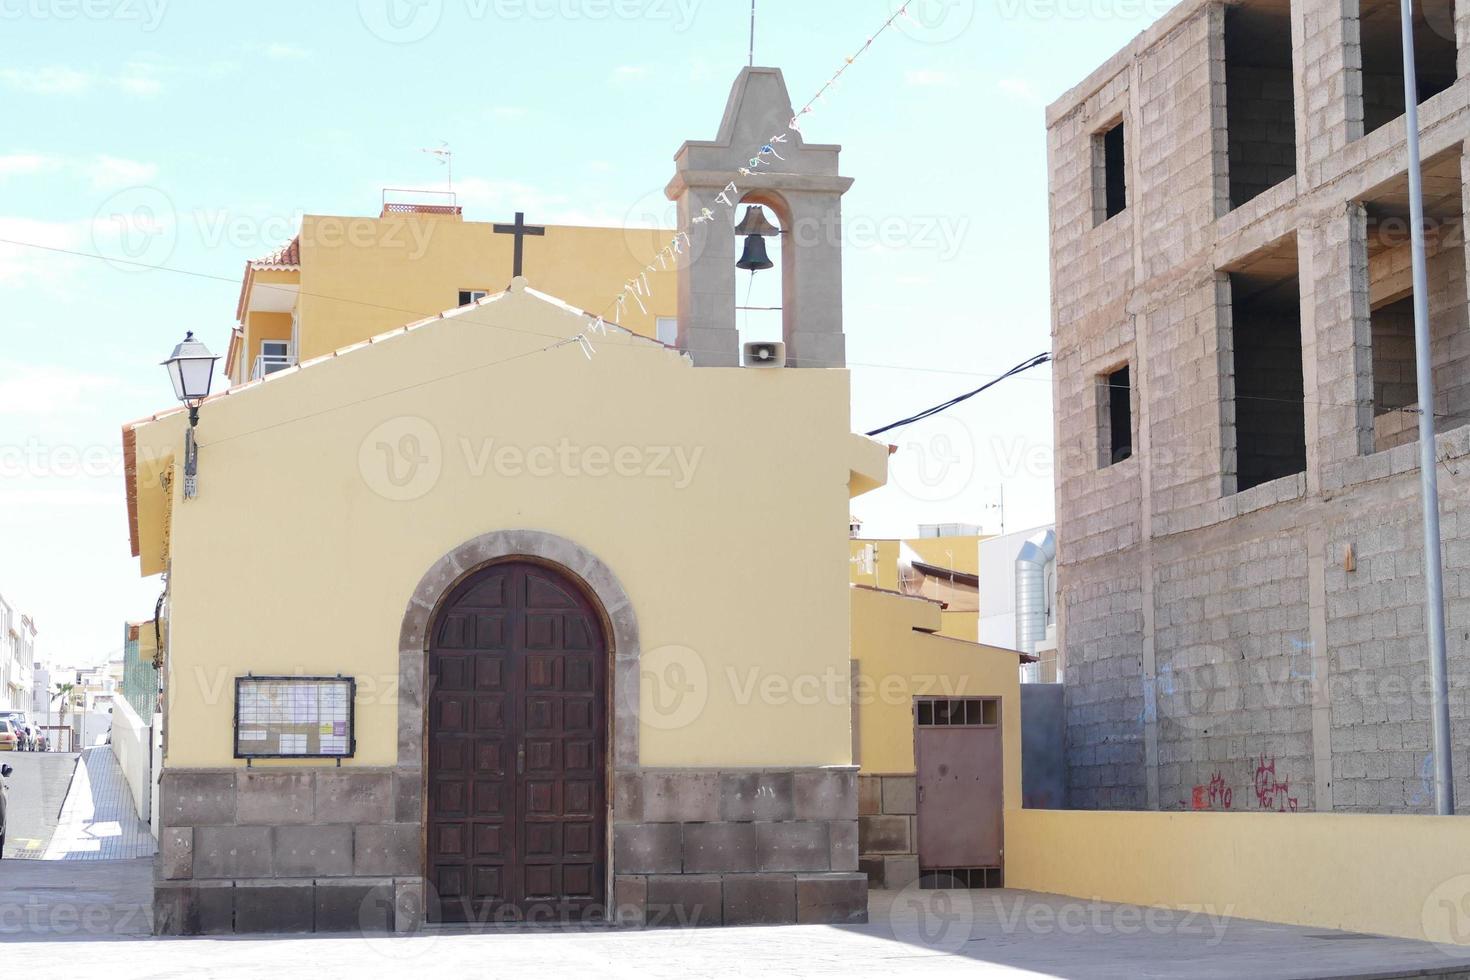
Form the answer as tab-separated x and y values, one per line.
17	658
1018	592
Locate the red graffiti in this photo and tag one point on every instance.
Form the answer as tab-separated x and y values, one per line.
1272	793
1213	794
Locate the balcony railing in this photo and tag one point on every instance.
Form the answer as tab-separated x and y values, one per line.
270	364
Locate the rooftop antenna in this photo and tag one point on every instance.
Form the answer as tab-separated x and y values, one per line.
752	33
446	157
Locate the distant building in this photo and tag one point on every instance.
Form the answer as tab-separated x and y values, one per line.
17	658
940	564
1018	591
344	279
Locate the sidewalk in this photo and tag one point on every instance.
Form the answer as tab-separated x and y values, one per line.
98	821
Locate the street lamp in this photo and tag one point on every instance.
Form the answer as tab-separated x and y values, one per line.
191	369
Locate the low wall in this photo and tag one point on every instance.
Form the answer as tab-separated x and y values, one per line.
1392	874
132	743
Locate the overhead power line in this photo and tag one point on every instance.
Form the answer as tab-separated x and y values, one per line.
1025	365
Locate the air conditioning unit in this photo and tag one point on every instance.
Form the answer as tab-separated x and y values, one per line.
765	354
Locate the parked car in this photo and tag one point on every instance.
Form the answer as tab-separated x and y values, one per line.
9	737
17	719
5	772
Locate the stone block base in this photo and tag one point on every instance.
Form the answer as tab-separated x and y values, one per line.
888	841
192	908
680	900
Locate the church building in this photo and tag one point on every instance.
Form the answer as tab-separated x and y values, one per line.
474	620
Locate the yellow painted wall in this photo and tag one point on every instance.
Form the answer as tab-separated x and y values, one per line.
962	552
361	276
261	327
319	583
897	662
1399	875
961	625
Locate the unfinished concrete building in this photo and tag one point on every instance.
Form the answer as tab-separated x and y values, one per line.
1240	566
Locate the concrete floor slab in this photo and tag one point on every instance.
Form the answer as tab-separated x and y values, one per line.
1003	933
74	901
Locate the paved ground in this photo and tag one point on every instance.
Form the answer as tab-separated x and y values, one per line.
99	821
33	803
50	912
78	901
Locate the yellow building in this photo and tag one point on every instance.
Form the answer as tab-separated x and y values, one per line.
938	739
510	645
343	279
941	567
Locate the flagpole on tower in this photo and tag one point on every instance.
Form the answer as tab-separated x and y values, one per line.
752	33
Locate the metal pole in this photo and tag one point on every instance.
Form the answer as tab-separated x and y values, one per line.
1444	782
752	33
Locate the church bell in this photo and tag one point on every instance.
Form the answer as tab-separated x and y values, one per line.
755	226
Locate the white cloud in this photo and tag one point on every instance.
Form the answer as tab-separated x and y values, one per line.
281	51
41	390
627	73
22	164
137	78
929	78
109	172
1018	88
52	80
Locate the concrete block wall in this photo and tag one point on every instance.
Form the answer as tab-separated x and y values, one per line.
1219	643
1262	129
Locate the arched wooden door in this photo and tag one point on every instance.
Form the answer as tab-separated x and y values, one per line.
517	738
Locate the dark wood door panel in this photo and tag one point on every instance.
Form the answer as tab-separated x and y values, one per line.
517	746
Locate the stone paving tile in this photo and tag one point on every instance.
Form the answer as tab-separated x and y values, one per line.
98	821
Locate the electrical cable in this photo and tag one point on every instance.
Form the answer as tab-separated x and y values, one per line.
1025	365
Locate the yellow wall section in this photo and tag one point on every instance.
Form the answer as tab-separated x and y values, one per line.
363	276
897	662
260	327
318	582
1400	875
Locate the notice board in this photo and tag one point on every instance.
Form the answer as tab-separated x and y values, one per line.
294	717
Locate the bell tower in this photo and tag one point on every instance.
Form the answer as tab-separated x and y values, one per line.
758	158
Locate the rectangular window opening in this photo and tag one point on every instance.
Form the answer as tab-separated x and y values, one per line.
954	712
1115	417
1394	362
468	296
1381	46
1109	180
1260	110
1268	397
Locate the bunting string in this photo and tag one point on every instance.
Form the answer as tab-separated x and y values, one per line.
637	288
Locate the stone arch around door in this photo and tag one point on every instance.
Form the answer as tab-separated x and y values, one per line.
620	626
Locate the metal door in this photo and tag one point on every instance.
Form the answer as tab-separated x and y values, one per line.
957	749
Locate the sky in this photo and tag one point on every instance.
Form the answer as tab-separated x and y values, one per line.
190	135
